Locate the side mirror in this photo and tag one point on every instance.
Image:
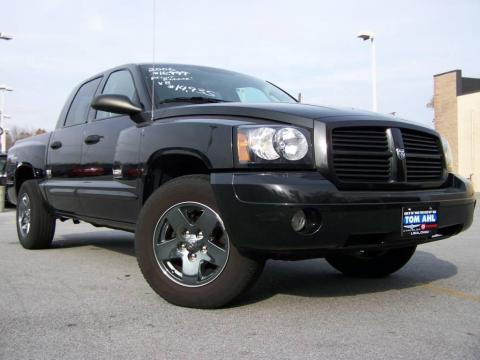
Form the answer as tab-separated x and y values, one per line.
117	104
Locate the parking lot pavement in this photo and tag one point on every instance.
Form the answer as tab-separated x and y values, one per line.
86	298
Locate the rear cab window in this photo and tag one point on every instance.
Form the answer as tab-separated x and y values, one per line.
80	107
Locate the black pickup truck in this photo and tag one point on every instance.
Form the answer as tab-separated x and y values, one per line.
221	171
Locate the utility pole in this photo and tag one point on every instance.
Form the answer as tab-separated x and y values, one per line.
3	88
368	35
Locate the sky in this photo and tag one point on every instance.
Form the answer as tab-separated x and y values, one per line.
303	46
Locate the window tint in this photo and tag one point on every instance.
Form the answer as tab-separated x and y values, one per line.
78	112
118	83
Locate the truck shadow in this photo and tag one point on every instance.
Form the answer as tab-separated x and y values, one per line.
308	278
316	278
118	241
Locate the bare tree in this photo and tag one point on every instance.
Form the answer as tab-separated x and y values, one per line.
431	105
15	133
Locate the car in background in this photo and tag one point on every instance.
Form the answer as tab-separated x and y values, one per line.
3	163
3	172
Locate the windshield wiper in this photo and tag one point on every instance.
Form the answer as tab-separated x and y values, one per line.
194	99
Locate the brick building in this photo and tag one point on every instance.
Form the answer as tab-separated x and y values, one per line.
457	118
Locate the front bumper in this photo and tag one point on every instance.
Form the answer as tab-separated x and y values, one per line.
257	209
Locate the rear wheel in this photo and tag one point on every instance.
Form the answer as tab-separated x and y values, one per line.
371	263
35	221
184	250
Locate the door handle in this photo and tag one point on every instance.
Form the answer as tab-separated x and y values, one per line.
56	145
93	139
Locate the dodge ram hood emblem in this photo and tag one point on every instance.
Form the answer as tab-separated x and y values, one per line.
400	153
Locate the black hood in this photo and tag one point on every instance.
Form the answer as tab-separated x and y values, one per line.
298	114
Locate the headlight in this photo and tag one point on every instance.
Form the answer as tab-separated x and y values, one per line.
260	141
290	143
447	152
273	145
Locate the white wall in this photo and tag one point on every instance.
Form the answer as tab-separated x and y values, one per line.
469	137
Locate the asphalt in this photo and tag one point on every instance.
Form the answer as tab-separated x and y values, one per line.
85	298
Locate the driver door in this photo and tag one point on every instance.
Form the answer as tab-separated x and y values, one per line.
102	195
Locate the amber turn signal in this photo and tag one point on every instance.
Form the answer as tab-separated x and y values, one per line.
242	148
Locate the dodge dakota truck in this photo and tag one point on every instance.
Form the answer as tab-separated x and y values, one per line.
216	172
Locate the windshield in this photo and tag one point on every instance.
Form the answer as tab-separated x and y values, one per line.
189	83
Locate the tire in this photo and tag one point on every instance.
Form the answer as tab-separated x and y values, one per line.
180	263
35	220
371	264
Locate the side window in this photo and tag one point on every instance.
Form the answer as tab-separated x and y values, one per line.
78	112
118	83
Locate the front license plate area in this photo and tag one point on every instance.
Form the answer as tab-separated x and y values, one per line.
419	221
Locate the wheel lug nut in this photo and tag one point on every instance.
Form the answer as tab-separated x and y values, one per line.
204	248
182	246
193	257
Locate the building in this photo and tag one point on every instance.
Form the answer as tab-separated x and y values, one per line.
457	118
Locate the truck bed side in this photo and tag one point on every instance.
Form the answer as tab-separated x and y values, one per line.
26	160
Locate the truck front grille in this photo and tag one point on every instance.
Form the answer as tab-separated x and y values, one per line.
423	156
361	154
383	155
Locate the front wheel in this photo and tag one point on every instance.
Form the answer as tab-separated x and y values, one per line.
184	250
371	263
35	221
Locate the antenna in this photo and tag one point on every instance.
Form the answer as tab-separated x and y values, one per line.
153	56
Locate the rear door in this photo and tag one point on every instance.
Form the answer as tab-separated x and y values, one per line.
65	151
101	195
